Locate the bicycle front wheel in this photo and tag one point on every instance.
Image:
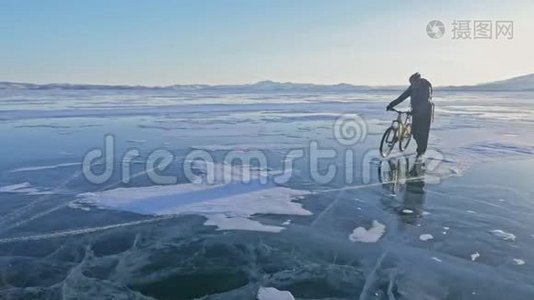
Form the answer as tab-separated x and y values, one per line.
388	142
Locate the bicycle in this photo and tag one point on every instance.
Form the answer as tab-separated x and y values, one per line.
400	131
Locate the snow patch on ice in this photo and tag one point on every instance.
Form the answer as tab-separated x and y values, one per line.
229	206
371	235
77	205
23	188
425	237
500	149
218	173
224	222
134	141
503	235
247	147
270	293
39	168
14	187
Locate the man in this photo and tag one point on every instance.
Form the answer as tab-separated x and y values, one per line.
420	93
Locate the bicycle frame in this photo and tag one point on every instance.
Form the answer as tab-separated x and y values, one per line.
399	124
398	131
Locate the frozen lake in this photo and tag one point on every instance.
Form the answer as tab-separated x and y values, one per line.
459	228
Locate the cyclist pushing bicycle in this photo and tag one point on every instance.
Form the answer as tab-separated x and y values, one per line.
420	93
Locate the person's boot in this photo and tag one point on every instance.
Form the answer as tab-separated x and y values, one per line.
419	156
419	160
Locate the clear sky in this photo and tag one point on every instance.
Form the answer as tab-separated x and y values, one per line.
242	41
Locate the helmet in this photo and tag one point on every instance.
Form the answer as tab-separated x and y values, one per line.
415	77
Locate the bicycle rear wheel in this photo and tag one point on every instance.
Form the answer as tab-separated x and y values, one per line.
405	137
388	142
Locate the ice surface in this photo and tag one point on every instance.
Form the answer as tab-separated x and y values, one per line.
145	241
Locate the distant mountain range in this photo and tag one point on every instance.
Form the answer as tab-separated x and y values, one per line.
521	83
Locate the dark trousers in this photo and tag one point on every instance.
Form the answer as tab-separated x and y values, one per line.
420	128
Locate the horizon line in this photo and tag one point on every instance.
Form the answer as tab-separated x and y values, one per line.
250	83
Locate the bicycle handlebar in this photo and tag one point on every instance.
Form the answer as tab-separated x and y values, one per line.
401	111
